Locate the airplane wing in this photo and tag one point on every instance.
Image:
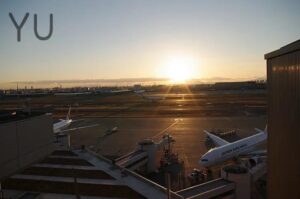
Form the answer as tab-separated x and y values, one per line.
217	140
258	153
77	128
78	120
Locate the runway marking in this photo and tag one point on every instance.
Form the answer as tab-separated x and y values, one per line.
163	131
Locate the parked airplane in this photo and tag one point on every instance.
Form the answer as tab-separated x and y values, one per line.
152	98
60	126
120	91
111	131
225	150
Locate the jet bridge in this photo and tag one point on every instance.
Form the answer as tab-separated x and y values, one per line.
145	154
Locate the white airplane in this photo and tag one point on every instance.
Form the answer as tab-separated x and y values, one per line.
120	91
225	150
60	126
111	131
152	98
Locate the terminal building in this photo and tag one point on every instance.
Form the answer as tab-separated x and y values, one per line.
283	80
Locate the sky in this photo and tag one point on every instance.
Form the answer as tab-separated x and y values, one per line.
109	39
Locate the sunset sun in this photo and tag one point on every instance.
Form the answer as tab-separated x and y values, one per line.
179	69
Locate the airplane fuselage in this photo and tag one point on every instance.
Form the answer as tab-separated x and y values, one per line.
232	150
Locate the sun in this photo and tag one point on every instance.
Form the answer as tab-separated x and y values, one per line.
179	69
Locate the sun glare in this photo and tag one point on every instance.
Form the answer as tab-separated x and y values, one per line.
179	69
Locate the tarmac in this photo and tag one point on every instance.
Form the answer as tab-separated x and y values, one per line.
183	114
188	133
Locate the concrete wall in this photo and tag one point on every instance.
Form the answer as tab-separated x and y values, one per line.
283	73
24	142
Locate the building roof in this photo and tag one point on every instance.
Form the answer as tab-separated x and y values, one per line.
65	174
209	189
292	47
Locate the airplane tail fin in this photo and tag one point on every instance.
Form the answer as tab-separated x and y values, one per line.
266	129
262	131
69	114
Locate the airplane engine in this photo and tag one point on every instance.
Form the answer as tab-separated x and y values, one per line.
253	161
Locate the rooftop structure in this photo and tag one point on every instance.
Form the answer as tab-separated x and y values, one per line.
69	174
211	189
285	50
24	139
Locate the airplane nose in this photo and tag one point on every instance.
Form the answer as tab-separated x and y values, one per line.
202	163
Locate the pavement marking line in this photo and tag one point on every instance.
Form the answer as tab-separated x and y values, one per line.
163	131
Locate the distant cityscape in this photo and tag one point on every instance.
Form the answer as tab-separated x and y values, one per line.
89	87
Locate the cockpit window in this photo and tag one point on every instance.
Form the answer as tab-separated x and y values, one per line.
204	160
